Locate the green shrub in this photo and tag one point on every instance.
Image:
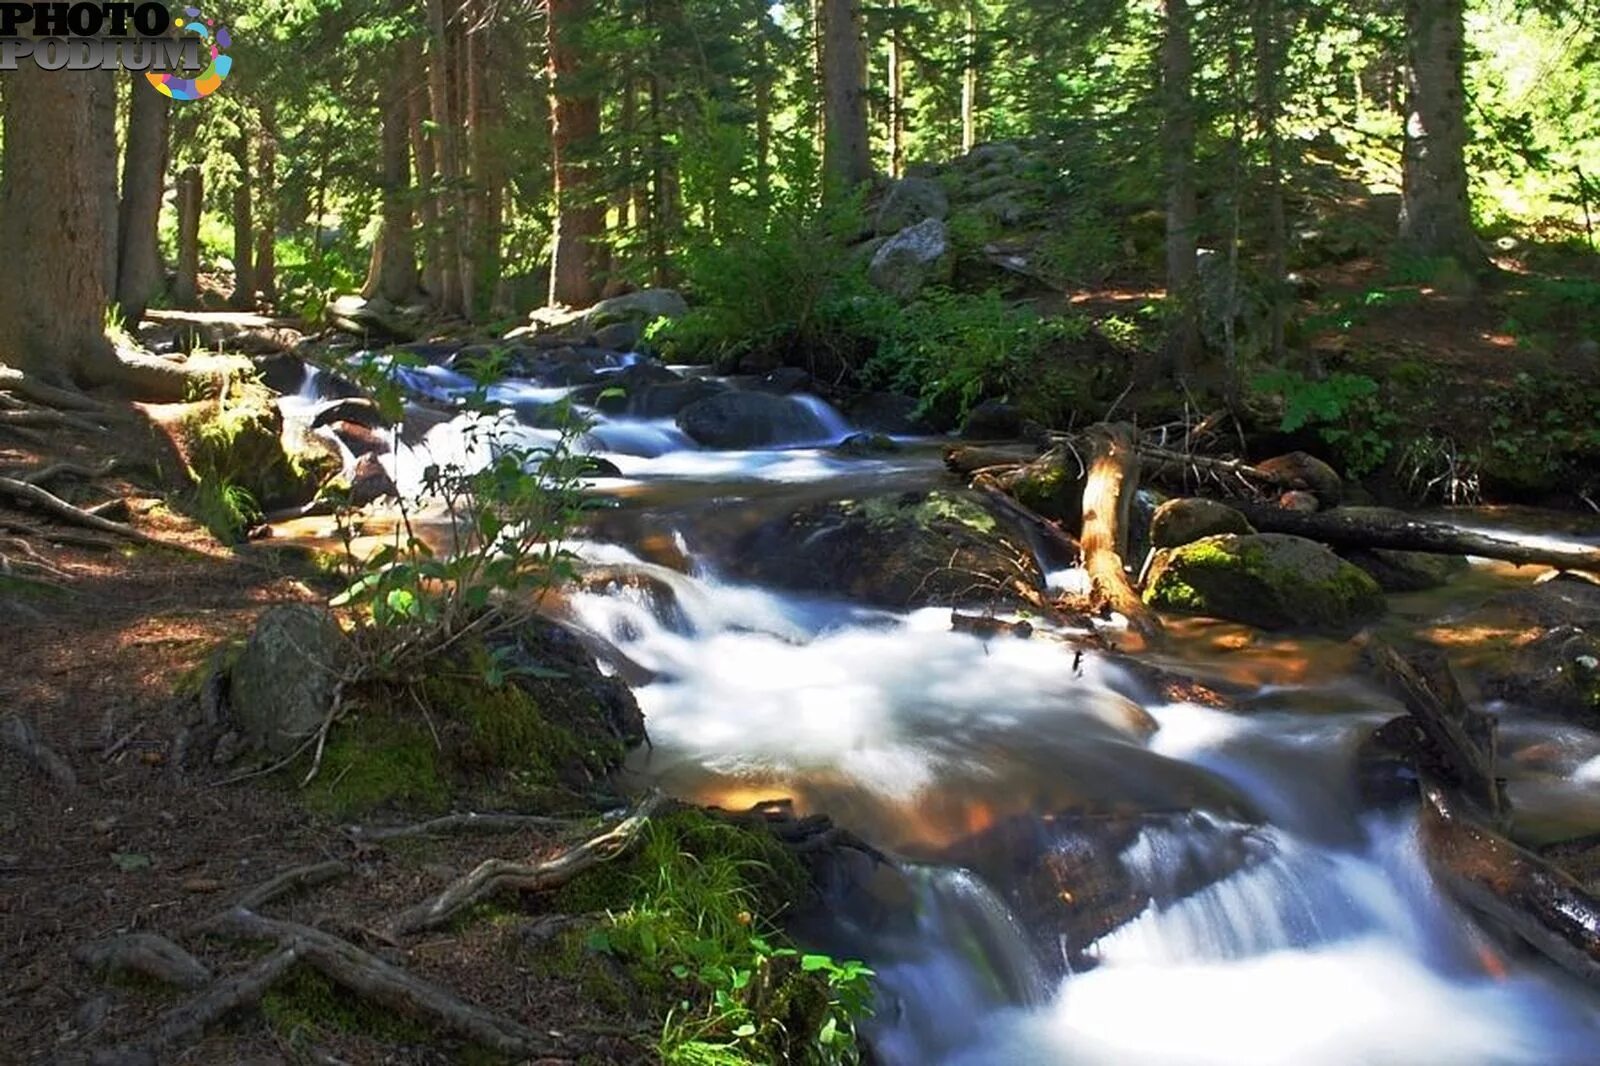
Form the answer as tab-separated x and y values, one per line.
1343	408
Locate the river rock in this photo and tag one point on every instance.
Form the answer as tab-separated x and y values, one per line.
1400	571
370	482
623	336
356	409
1183	521
861	445
909	201
281	687
994	420
783	381
1557	673
886	412
897	551
911	260
644	307
1267	580
1302	471
737	419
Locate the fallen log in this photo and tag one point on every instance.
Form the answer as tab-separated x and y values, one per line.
1461	743
981	626
1363	528
968	459
1107	499
1512	888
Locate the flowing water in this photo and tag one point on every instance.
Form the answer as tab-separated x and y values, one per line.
1272	919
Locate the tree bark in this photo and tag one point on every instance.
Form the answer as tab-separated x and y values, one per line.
1177	149
897	104
446	159
1267	28
574	128
144	167
969	81
393	274
104	167
1435	212
265	267
486	117
244	286
1107	501
847	151
53	227
191	198
1345	528
427	172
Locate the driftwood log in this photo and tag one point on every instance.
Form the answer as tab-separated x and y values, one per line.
1344	528
1107	501
1512	888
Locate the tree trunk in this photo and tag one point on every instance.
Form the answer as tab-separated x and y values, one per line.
104	167
485	119
847	152
426	170
139	273
969	82
265	272
1435	213
53	228
244	287
393	273
1267	28
446	159
574	128
1177	144
897	104
191	200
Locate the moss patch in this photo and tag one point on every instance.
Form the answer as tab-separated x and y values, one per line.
378	760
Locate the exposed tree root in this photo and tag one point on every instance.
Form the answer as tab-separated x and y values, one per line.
31	388
382	983
497	875
292	881
1026	517
148	954
187	1022
45	475
469	822
59	508
57	536
18	735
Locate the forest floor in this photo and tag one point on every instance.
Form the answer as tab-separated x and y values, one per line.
97	661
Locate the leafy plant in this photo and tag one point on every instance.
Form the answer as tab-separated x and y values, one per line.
1344	409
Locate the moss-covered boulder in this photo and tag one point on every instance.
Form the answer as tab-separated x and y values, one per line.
523	718
1268	580
239	439
899	551
1398	571
1184	521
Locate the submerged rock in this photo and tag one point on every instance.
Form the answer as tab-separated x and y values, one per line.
1184	521
749	420
1400	571
282	686
911	260
900	551
1268	580
1556	673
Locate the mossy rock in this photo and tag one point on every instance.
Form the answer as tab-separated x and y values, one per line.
1400	571
1268	580
1184	521
238	439
1557	673
899	551
526	718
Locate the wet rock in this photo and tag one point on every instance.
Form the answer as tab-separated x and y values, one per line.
282	685
897	551
312	459
358	410
630	380
620	336
281	372
749	420
994	420
1399	571
359	439
1267	580
886	412
667	399
1307	472
1299	501
599	466
370	482
861	445
1556	673
908	202
1183	521
561	674
784	380
372	318
911	260
1566	601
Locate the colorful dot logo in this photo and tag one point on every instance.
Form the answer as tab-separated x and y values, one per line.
209	80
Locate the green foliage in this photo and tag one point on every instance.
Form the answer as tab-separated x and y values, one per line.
309	278
1345	409
691	937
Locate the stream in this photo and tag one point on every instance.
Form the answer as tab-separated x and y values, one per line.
1085	870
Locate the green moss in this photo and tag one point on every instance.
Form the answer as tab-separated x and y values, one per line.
891	511
306	1003
378	760
220	660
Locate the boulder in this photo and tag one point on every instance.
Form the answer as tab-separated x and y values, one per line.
356	409
281	687
620	336
643	307
784	380
994	420
629	380
885	412
898	551
912	259
1556	673
861	445
909	201
737	419
1267	580
371	318
1302	471
1400	571
370	482
666	399
1183	521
